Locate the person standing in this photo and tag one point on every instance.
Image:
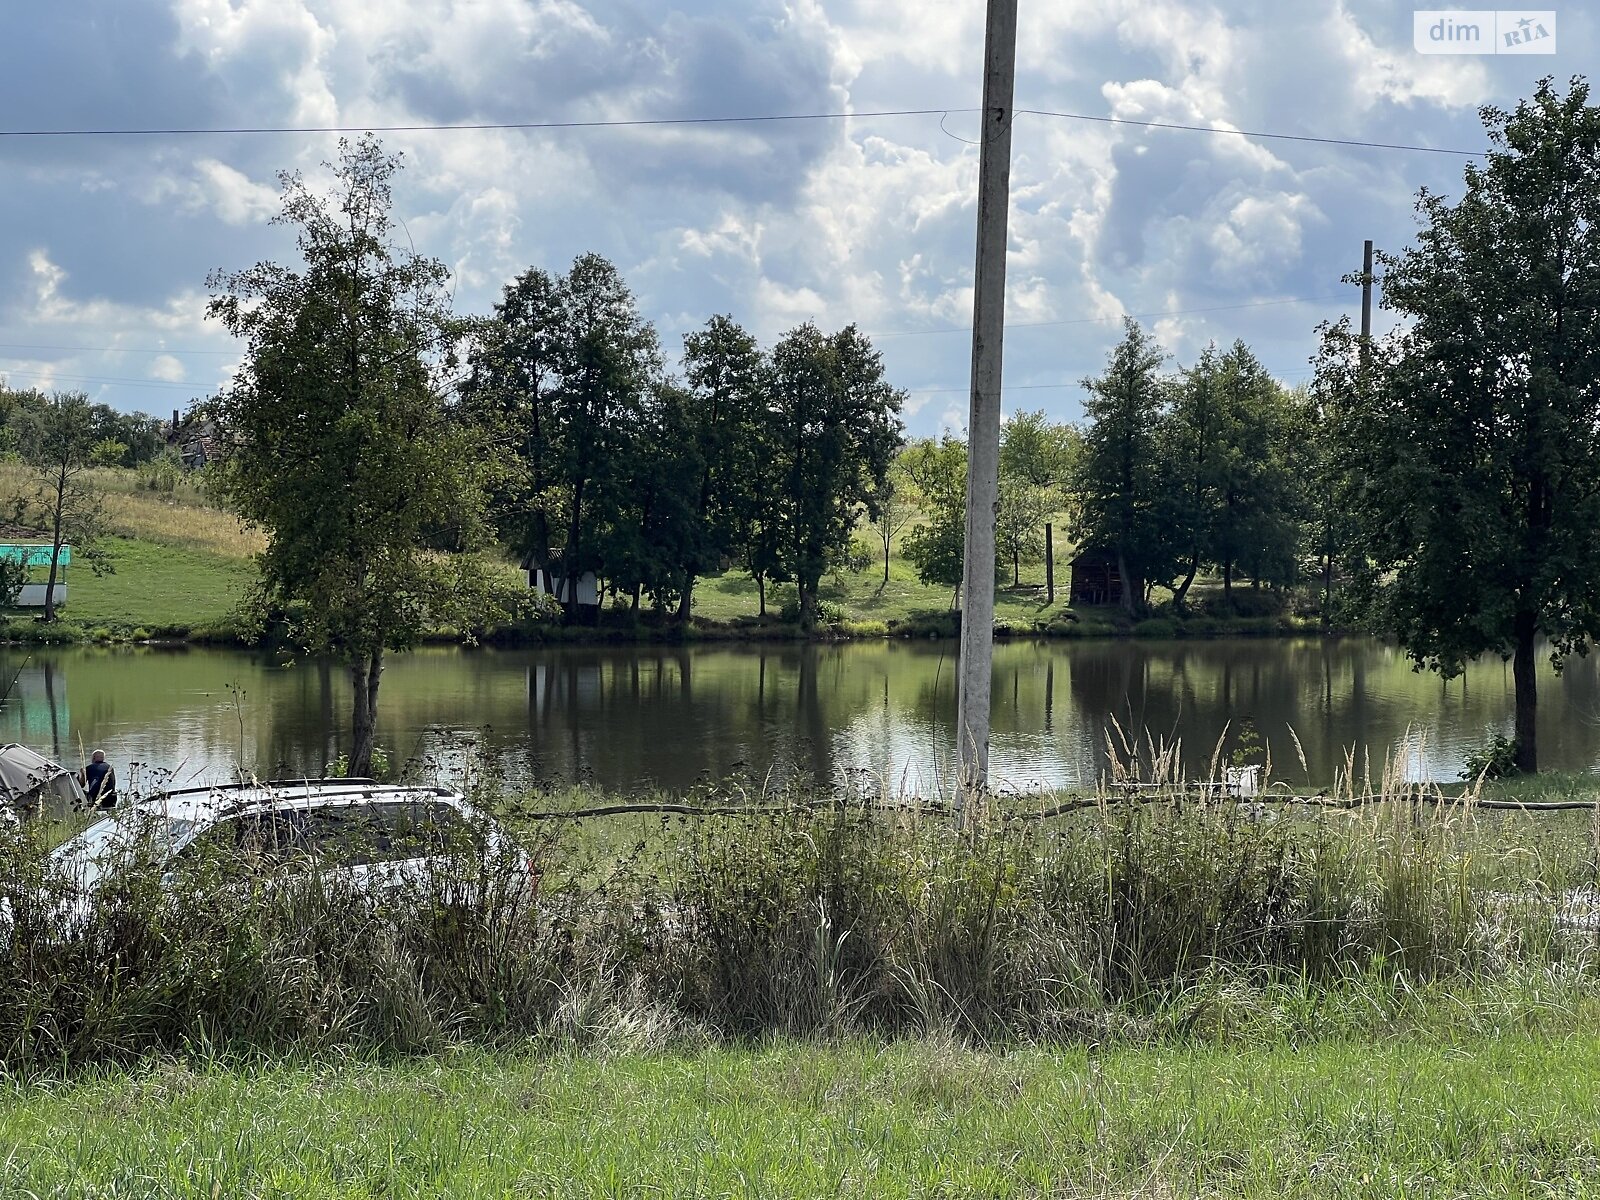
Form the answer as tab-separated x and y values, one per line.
99	781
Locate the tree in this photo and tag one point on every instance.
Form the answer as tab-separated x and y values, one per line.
835	427
897	504
561	378
1470	446
1191	452
1122	499
1018	522
725	372
1036	458
938	470
59	445
1251	519
518	361
340	443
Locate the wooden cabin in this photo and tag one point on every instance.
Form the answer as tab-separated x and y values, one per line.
1095	578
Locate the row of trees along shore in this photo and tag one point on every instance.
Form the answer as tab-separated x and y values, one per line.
1447	475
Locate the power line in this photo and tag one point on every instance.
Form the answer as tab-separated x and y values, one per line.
1148	316
8	373
1355	143
752	119
485	126
1144	316
109	349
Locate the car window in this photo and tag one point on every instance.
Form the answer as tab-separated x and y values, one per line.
389	831
347	834
278	835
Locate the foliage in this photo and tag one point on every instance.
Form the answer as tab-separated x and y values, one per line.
834	427
938	470
1469	449
60	447
803	919
1495	759
1122	501
340	444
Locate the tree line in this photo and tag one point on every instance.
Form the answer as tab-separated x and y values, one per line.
603	461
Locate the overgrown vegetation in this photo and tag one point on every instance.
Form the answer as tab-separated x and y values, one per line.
1137	919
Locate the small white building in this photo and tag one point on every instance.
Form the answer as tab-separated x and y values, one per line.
550	579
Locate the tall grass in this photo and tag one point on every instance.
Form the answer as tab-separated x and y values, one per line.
183	516
801	919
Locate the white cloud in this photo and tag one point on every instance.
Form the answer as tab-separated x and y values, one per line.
166	367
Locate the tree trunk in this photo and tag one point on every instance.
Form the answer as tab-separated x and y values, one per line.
808	605
686	598
1227	581
364	678
1327	591
50	584
1129	603
1016	569
886	562
1188	582
638	587
1049	565
55	549
1526	684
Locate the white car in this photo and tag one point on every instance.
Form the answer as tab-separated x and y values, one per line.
370	835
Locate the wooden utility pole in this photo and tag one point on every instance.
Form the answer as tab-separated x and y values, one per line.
1366	302
983	422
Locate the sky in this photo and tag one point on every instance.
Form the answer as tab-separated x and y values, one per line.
106	242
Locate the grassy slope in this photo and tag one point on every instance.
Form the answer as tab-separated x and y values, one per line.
158	585
177	561
1506	1116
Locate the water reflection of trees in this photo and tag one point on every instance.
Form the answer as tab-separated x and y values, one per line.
625	717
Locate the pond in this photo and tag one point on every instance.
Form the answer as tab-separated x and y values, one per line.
626	719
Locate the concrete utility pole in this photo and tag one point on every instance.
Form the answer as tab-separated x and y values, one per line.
983	422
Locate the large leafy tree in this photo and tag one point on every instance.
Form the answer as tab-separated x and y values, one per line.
519	360
563	378
1252	523
1471	441
1123	501
725	372
835	427
341	444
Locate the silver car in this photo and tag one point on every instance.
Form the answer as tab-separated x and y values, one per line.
368	835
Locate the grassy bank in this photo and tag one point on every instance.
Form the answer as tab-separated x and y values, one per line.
1510	1114
181	566
798	921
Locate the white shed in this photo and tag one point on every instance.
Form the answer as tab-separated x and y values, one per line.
550	579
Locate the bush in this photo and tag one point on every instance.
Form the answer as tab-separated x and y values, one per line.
1494	759
928	625
828	613
1246	602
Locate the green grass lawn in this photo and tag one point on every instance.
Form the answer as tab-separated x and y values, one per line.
865	597
156	585
1507	1116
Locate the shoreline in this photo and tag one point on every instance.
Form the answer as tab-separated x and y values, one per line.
932	627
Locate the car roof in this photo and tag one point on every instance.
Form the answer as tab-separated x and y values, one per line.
233	799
